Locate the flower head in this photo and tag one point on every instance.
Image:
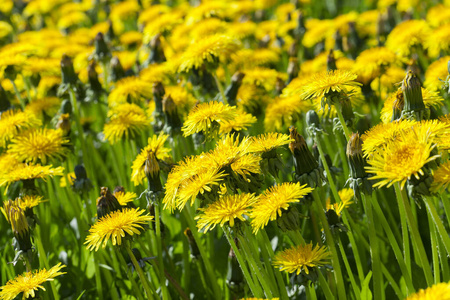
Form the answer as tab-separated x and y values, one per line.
206	117
29	171
125	121
401	158
207	50
39	145
406	36
324	83
301	258
274	199
116	226
14	121
439	291
131	89
441	177
238	123
29	283
225	209
268	141
155	145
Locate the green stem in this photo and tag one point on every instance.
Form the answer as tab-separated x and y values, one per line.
342	121
130	276
374	249
355	287
437	221
160	254
325	287
22	102
415	235
219	86
256	289
141	274
331	244
201	248
434	250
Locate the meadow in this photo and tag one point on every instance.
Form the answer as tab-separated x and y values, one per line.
244	149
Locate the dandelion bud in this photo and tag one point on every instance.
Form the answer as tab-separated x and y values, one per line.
102	52
158	94
232	89
67	71
398	105
110	35
81	183
235	278
151	170
293	69
331	61
107	203
347	111
93	78
66	107
339	43
4	102
307	169
264	42
117	71
313	123
156	51
353	40
172	120
19	224
279	86
195	252
289	219
359	179
300	29
64	124
414	108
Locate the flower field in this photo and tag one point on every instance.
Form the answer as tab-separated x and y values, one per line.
243	149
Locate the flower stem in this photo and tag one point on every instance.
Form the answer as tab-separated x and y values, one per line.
331	245
374	249
355	287
130	276
220	87
21	100
325	287
342	121
405	208
437	221
141	274
256	289
160	253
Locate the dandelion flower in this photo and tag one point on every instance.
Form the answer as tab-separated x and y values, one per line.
225	209
207	50
301	258
125	197
274	199
370	63
126	120
14	121
241	122
29	201
116	226
155	145
346	196
439	291
39	145
48	106
441	177
284	111
131	89
268	141
406	36
29	283
324	83
438	41
401	158
206	117
29	171
436	73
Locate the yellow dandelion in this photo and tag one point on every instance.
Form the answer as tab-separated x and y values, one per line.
301	258
438	41
241	30
438	15
131	38
182	98
206	117
401	158
29	201
225	209
346	196
157	73
240	122
15	215
284	111
439	291
131	89
14	121
441	177
126	120
207	50
43	66
39	145
274	199
247	165
46	84
407	35
248	58
162	24
371	63
29	171
325	83
29	282
198	184
251	97
264	77
436	73
388	80
125	197
48	106
316	31
228	151
5	29
116	225
268	141
156	146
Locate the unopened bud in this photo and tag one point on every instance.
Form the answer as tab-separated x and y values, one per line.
195	252
331	61
102	52
151	170
117	71
106	203
67	71
412	93
232	89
